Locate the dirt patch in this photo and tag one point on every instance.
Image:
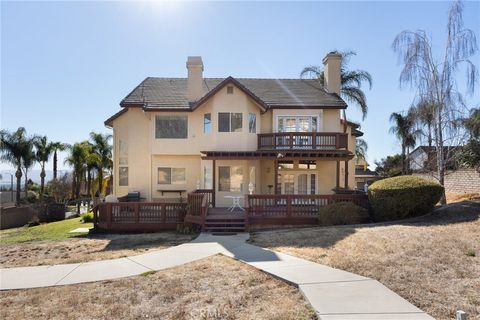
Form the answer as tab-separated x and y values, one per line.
90	248
434	261
213	288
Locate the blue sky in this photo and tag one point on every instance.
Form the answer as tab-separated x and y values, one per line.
65	66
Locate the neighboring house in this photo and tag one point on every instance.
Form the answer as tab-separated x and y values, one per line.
232	135
424	158
363	174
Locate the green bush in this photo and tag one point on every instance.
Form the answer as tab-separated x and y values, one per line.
403	197
87	217
32	196
339	213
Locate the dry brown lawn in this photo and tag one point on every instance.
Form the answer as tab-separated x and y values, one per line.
432	261
89	248
213	288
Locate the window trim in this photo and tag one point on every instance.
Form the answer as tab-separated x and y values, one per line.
171	176
317	116
177	116
230	122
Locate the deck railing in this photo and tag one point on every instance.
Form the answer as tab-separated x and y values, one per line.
197	208
294	209
302	141
139	216
210	196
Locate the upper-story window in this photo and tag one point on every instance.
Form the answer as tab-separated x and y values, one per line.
229	89
252	123
171	127
297	123
207	123
229	122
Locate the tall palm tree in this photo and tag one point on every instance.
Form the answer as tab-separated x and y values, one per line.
472	123
103	149
361	148
424	112
403	128
350	81
28	160
13	148
43	152
57	146
76	159
92	163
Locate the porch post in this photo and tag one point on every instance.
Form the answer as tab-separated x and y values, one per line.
338	175
346	174
214	181
275	176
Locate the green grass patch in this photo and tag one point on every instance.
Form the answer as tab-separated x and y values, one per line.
48	231
148	273
471	253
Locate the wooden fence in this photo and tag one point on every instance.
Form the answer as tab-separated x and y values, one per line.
197	208
294	209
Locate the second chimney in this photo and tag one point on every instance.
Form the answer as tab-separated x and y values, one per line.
195	78
332	63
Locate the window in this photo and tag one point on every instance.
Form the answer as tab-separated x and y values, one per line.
230	179
285	164
122	152
207	123
229	89
123	176
297	124
171	176
207	177
229	122
171	127
252	123
307	164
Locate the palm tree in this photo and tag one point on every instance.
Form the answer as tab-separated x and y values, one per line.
361	148
43	151
472	123
403	128
29	158
76	159
92	163
103	149
350	81
425	117
13	148
57	146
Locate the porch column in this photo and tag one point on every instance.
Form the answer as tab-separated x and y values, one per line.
275	176
346	174
338	175
214	181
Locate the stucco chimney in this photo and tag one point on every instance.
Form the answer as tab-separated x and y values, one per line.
332	62
195	78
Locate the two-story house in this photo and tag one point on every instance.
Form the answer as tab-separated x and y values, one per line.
234	136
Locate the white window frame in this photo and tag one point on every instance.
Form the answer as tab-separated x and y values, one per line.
297	117
171	176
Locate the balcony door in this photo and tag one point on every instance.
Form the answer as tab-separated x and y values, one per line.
297	123
298	183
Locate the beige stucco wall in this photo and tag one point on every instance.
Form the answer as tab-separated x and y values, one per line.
146	154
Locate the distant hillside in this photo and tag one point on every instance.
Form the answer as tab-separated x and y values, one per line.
34	175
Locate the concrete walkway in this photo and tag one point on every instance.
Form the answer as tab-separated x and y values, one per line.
333	293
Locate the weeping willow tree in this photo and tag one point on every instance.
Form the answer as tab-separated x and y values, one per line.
434	75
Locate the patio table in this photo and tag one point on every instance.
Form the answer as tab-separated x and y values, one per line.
235	202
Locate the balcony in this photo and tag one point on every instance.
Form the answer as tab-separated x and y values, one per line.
303	141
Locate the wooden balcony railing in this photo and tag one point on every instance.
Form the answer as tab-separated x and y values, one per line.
302	141
280	209
139	216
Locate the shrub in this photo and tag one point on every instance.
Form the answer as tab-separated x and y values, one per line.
403	197
32	196
87	217
342	213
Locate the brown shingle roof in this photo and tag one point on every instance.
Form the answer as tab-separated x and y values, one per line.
171	93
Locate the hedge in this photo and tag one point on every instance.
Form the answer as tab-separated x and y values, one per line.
340	213
403	197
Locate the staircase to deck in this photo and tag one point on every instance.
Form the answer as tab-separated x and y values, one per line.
220	221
